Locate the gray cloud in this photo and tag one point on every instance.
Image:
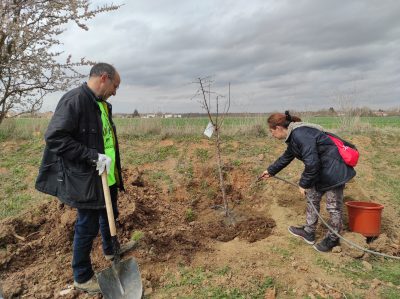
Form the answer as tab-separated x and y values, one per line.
276	54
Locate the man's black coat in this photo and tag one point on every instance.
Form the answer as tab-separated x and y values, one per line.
73	141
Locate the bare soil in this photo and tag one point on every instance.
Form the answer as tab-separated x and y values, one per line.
38	256
185	226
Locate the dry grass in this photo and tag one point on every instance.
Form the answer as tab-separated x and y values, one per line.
194	127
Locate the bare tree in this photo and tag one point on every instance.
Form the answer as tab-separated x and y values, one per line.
216	119
349	116
29	67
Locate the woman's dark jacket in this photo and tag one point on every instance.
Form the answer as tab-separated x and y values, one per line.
73	141
324	167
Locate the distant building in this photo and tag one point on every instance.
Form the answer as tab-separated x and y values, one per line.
161	115
148	116
380	113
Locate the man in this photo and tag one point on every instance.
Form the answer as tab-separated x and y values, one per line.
81	143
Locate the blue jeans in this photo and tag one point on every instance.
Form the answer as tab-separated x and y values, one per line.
87	227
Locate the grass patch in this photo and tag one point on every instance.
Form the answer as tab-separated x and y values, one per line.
237	162
390	293
208	189
328	266
137	235
186	169
159	175
13	205
190	215
386	271
18	160
281	251
223	271
295	242
201	283
228	148
251	150
22	128
384	148
202	154
211	194
152	155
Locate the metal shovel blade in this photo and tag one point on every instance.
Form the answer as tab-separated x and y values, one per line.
121	281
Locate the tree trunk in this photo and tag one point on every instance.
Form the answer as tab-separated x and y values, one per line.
3	113
221	175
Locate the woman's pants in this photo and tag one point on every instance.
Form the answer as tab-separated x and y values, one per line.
334	206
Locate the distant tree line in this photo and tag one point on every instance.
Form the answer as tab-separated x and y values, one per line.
363	112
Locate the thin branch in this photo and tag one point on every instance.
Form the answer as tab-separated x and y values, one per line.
227	106
206	106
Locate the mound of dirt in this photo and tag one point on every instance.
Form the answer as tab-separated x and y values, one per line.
252	229
36	257
381	244
356	239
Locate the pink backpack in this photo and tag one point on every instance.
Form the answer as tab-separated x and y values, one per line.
347	150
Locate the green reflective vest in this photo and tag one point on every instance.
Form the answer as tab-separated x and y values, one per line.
109	142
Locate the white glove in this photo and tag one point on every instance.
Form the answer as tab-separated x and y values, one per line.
103	163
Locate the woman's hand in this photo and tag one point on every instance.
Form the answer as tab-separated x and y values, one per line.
302	191
265	175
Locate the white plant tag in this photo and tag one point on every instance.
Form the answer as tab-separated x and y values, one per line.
209	130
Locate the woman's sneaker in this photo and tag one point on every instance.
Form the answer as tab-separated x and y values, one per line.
326	245
91	286
309	238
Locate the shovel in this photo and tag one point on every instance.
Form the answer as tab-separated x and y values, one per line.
122	280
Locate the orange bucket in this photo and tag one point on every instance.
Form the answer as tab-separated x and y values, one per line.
365	217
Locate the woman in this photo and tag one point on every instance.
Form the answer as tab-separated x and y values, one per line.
324	173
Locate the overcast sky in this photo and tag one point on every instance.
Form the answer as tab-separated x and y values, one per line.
303	55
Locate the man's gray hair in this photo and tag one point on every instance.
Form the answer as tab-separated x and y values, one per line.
100	68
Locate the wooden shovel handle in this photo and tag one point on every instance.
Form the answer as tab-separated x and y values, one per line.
107	198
